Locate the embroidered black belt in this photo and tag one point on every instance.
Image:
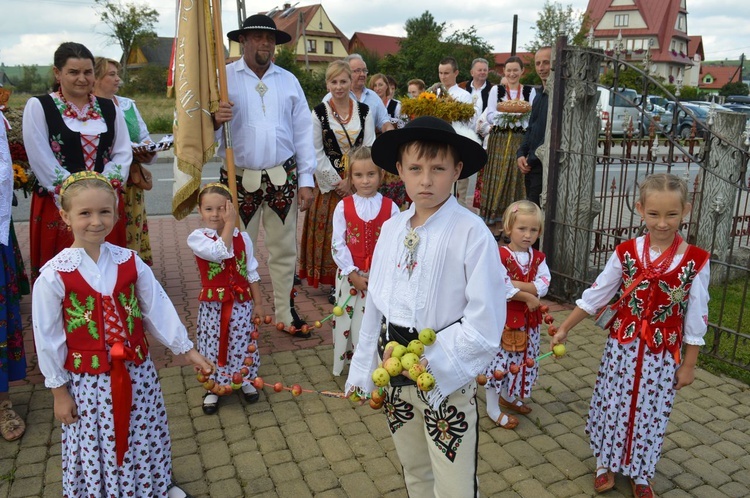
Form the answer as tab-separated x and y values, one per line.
403	335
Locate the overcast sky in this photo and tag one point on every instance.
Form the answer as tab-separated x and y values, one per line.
31	30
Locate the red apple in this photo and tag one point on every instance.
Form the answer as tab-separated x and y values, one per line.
248	361
245	371
280	326
251	348
377	396
257	320
548	319
544	308
258	383
237	378
267	319
305	328
530	362
254	335
498	374
278	387
375	406
514	369
353	292
481	379
552	330
296	390
292	329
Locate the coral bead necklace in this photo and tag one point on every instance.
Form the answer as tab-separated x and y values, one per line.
70	112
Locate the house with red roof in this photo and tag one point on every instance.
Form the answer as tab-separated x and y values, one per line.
658	27
713	77
380	45
499	59
316	40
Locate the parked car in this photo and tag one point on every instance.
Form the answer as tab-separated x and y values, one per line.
743	108
662	119
738	99
658	100
696	112
618	108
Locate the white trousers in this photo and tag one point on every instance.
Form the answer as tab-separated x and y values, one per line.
437	448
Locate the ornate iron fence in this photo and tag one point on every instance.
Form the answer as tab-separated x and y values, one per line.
592	183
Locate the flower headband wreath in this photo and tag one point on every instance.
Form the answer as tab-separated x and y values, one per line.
218	185
83	175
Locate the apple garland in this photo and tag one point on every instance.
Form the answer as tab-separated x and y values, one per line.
397	360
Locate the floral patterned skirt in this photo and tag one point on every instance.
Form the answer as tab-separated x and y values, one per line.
49	235
316	261
393	188
519	384
346	327
89	460
136	224
610	408
12	355
502	182
240	328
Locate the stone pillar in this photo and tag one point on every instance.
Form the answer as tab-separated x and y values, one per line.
570	165
719	196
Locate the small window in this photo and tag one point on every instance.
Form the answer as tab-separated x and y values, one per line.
708	79
312	46
329	47
621	20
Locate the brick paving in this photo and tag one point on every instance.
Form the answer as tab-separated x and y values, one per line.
324	447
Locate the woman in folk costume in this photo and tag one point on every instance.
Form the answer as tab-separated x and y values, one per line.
12	286
107	84
91	306
66	131
530	277
663	284
338	125
508	108
356	227
230	294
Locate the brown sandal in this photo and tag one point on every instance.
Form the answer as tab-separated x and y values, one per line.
517	406
642	490
12	426
511	423
604	482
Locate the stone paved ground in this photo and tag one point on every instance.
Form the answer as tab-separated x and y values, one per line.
316	446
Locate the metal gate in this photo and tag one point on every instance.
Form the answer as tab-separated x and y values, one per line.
602	140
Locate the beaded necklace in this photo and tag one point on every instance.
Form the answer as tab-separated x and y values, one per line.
336	114
652	271
91	113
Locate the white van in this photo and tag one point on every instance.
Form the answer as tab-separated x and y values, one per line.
618	108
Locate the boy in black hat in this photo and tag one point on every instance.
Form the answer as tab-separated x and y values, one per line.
435	266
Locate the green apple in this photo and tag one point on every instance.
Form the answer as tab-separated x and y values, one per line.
559	350
427	336
409	359
416	347
381	377
393	366
416	370
426	382
398	351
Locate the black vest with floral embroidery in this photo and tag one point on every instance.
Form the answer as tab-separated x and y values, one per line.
330	143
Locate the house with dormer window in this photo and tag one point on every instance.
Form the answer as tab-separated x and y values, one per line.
316	41
656	27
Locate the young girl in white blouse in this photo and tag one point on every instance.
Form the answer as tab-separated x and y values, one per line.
663	284
91	305
436	265
356	227
530	277
230	294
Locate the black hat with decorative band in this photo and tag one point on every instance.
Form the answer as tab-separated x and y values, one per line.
428	129
259	22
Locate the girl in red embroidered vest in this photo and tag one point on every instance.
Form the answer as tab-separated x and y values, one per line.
529	281
356	226
230	294
665	283
93	352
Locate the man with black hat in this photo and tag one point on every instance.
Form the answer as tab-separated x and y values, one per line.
272	139
445	260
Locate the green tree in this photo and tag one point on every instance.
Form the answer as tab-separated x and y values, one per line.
558	20
427	42
31	81
312	83
734	88
129	24
151	79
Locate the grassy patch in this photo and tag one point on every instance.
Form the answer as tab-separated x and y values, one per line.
727	310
